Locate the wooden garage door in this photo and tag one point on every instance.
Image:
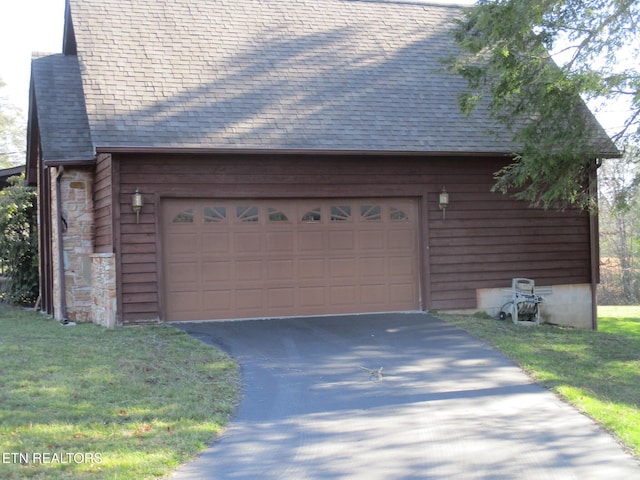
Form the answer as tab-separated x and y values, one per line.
268	258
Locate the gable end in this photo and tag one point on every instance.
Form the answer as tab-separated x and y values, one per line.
69	46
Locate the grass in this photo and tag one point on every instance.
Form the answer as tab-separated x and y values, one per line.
87	402
135	403
597	371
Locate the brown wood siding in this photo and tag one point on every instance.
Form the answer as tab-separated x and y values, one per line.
45	238
488	238
485	240
103	202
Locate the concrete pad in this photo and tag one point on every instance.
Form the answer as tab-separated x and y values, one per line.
447	406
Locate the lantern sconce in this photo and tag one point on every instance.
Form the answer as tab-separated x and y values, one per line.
137	203
443	201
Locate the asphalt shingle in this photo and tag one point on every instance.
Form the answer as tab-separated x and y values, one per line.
62	116
292	74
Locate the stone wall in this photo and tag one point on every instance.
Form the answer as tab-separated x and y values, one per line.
76	190
55	236
103	278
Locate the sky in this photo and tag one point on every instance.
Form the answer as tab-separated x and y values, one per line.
28	26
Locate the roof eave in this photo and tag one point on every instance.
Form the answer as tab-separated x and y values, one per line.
88	162
292	151
311	151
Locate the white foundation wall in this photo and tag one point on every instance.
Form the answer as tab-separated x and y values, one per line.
566	305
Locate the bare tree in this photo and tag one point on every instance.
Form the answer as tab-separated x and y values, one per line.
620	228
12	134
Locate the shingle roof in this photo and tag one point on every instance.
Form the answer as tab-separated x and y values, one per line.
6	173
288	74
62	116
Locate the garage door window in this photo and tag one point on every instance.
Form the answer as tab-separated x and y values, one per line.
215	214
397	215
312	216
247	214
276	215
185	216
341	213
371	213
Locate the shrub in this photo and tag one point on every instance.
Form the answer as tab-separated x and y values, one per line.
19	242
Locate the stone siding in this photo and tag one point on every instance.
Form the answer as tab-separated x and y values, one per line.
55	241
103	278
76	190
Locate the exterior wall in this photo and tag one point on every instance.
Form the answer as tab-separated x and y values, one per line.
89	278
485	240
489	238
56	234
104	305
45	254
76	189
103	199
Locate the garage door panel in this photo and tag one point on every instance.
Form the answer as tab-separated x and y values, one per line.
182	243
342	268
183	272
216	271
400	294
372	266
248	270
218	242
217	300
401	239
343	295
312	241
311	296
312	268
371	240
373	294
281	270
341	240
261	258
188	301
247	243
280	242
281	298
248	299
402	266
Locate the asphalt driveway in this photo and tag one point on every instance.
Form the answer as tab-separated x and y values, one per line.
446	406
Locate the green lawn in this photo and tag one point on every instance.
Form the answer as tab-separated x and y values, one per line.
598	372
87	402
134	403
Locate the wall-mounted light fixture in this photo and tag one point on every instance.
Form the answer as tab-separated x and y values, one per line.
443	201
137	203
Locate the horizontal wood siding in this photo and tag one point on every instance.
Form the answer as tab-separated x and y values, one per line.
488	238
485	240
102	197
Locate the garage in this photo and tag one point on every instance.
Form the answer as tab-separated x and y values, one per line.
225	259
